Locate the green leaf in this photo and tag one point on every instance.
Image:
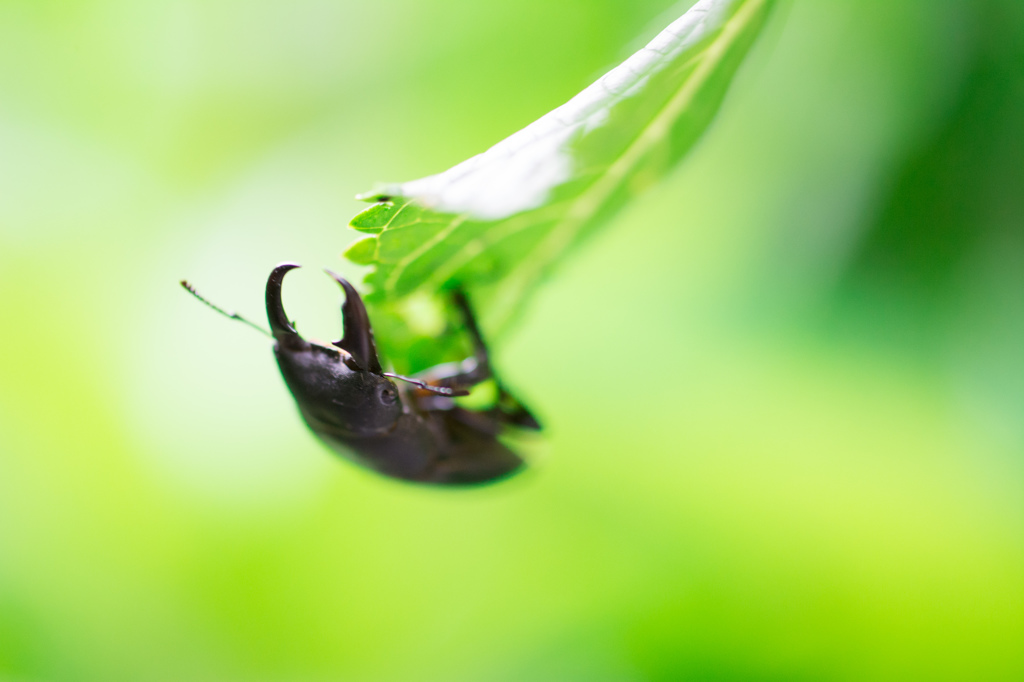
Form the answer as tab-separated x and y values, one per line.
363	252
499	222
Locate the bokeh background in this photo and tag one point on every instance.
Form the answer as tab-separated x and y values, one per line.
784	390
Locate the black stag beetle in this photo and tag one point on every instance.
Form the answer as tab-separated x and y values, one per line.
418	433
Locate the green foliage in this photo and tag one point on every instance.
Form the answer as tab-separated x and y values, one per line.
498	223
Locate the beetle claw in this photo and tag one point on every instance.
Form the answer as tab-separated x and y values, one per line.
357	339
279	324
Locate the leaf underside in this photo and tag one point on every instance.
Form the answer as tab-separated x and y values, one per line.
497	224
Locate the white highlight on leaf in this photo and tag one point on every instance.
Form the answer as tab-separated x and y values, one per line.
519	173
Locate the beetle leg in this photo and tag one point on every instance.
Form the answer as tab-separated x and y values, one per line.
475	370
479	347
508	409
493	421
512	411
471	371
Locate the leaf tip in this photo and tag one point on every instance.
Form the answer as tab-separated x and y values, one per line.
373	219
362	252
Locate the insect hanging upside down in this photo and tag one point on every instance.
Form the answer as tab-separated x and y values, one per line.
417	433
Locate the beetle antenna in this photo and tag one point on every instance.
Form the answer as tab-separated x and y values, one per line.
226	313
439	390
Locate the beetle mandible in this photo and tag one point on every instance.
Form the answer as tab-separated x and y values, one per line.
416	434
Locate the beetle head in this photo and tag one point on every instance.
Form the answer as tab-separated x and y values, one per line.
340	388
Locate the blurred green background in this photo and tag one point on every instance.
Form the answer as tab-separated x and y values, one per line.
784	390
